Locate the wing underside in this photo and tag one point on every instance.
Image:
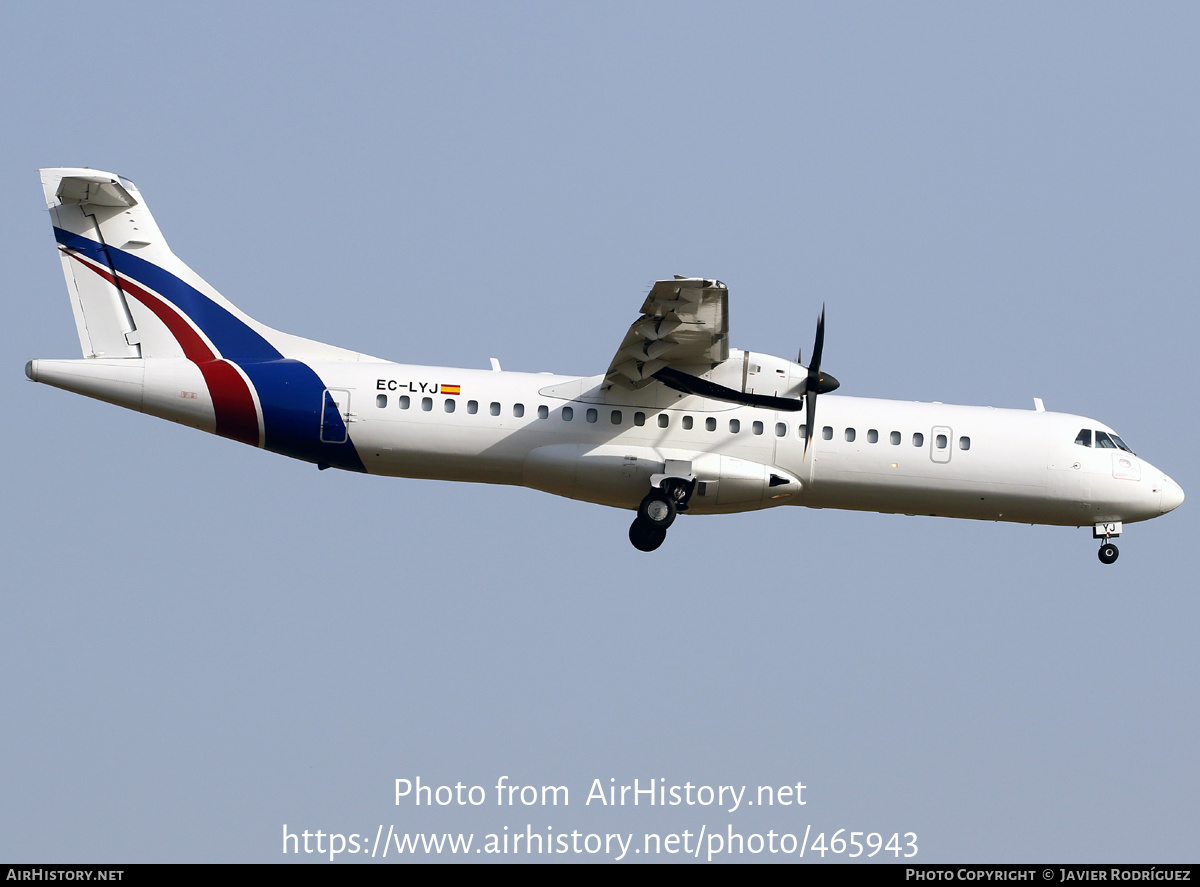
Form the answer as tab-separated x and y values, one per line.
684	325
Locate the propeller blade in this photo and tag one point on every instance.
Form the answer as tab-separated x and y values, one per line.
810	417
816	383
814	365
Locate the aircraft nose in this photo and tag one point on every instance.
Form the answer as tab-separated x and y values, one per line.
1172	495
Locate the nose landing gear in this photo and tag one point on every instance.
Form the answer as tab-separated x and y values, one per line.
1104	532
657	512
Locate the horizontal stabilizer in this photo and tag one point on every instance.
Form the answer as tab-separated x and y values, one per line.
93	190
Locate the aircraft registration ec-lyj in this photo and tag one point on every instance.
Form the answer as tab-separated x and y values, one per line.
679	422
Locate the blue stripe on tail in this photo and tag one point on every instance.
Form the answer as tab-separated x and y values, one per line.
289	391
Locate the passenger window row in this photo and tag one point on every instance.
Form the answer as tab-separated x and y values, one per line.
591	414
449	404
687	422
940	441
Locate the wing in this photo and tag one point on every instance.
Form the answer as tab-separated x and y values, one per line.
684	326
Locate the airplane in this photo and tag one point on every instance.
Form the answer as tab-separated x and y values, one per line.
680	422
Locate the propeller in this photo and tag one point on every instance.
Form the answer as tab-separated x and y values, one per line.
816	383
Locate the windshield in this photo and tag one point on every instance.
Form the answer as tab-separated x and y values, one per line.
1105	440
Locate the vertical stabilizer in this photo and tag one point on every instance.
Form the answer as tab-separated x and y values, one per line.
133	297
157	337
84	202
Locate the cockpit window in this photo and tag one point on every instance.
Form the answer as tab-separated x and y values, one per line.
1104	440
1120	443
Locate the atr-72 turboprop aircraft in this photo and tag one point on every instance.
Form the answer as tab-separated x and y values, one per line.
680	422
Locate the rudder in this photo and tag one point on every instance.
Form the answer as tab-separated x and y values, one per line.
84	202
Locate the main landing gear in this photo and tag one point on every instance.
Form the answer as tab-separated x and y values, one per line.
657	512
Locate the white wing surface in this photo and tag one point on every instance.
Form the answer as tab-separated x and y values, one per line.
684	325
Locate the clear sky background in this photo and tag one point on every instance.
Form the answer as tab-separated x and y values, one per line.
203	642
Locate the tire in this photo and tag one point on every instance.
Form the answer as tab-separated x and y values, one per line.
1108	553
658	510
646	537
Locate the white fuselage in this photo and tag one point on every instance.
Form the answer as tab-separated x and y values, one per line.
567	436
868	454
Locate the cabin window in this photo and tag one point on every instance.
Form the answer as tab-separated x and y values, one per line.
427	403
404	401
381	400
802	430
472	407
494	408
895	438
616	417
663	420
592	415
850	435
918	439
940	441
1084	437
543	412
1103	441
687	423
518	410
734	426
757	427
780	429
964	443
710	424
872	435
568	414
449	404
639	418
827	432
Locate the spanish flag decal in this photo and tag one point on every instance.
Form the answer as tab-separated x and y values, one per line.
451	389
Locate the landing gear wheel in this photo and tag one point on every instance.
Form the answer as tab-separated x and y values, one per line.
658	510
646	537
1108	553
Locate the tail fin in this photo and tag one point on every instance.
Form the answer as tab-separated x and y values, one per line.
133	297
102	317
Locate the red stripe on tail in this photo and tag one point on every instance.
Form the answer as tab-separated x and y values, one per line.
232	400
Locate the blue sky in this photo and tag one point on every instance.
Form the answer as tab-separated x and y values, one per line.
995	202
